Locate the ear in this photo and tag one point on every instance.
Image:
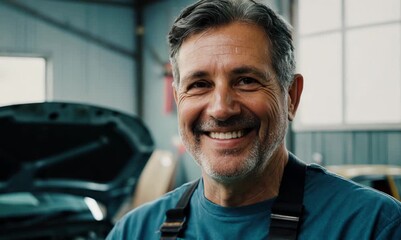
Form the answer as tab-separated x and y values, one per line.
294	95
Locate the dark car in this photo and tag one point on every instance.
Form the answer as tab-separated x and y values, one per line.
67	168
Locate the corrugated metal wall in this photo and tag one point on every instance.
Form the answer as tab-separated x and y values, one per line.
350	147
81	70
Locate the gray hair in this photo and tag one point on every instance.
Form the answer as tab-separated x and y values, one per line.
206	14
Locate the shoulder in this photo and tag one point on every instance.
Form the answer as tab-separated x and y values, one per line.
144	221
329	196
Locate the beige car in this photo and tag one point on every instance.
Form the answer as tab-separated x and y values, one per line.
385	178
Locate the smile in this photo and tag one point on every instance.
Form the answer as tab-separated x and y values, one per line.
226	135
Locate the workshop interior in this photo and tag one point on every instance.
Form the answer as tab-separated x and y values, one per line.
88	122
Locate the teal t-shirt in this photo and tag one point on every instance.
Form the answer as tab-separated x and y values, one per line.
335	208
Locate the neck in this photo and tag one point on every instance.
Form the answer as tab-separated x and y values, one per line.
253	189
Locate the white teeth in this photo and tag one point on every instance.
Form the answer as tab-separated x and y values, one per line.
226	135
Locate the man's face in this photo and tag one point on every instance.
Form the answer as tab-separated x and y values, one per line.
232	112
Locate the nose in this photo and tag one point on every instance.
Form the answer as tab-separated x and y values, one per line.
223	104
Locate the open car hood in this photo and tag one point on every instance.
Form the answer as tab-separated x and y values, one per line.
74	149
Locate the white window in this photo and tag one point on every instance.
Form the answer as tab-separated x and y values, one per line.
349	52
22	80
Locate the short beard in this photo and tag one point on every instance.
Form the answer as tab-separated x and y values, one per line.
252	164
259	155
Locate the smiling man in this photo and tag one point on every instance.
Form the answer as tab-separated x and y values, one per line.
233	112
236	91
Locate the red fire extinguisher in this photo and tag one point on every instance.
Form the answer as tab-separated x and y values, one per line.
168	89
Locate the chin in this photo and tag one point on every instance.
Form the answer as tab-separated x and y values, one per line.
228	177
229	173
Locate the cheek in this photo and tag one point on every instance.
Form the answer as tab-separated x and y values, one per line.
275	98
269	107
189	110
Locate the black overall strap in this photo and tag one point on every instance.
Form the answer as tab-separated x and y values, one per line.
288	207
286	211
174	225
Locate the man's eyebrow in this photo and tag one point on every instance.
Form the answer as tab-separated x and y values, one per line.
236	71
195	75
251	70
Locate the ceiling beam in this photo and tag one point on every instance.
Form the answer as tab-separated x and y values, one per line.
68	28
115	3
104	2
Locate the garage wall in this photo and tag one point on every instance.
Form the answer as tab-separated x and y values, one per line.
80	69
350	147
158	18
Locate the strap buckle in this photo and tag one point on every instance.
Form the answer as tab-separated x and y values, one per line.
283	227
172	227
284	217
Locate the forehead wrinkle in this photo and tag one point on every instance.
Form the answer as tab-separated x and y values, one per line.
227	44
223	49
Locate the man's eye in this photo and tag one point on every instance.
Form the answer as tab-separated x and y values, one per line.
247	81
200	84
248	84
